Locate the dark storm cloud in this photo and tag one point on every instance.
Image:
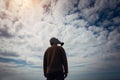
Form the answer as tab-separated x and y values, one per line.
9	24
5	33
9	60
8	54
112	58
11	57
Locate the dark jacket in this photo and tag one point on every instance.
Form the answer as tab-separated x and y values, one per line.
55	60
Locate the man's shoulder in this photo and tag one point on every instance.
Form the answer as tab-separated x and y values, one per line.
59	47
49	48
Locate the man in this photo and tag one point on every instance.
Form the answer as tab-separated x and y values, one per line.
55	61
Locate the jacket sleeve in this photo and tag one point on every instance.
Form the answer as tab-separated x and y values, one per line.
64	60
45	63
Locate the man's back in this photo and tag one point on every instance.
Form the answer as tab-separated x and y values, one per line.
55	58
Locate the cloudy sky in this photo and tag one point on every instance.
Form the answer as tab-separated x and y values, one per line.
90	30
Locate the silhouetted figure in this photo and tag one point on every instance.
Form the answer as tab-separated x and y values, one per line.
55	61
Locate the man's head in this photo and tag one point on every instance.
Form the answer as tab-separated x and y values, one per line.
54	41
